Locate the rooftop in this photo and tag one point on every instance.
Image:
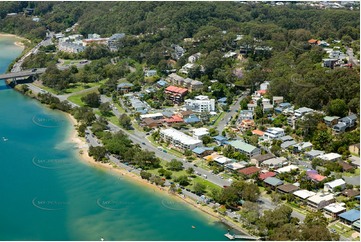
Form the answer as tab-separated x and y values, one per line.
304	194
242	146
275	161
351	215
263	176
273	181
261	158
289	188
330	156
335	207
180	136
335	183
175	89
287	169
320	197
235	166
249	170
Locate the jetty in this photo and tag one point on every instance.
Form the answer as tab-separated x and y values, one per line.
240	237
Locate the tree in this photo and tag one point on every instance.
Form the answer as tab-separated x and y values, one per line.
145	175
190	170
97	152
207	139
182	180
105	109
175	165
199	188
338	108
92	100
125	121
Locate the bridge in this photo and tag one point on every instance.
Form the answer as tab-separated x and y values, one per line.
25	73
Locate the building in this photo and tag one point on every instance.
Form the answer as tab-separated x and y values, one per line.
264	175
276	100
150	73
245	114
350	193
71	47
354	149
193	58
334	209
303	194
246	124
151	123
350	216
302	111
220	140
274	133
249	171
274	163
175	79
314	153
303	146
345	123
329	62
175	119
192	119
199	133
200	104
99	41
202	151
234	166
179	139
287	188
114	40
138	105
192	85
345	166
222	160
258	132
287	169
176	94
124	87
245	148
161	83
273	182
331	120
331	186
320	200
330	157
259	159
155	116
314	176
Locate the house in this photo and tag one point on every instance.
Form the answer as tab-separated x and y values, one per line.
222	101
200	104
192	85
202	151
351	193
70	47
287	144
192	119
155	116
312	41
222	160
331	120
199	133
259	159
137	105
350	216
287	169
287	188
161	83
330	157
246	124
220	140
303	146
193	58
175	79
314	153
234	166
272	182
345	166
267	107
274	163
124	87
245	148
334	209
285	138
178	51
302	111
314	176
354	149
257	132
114	40
264	85
251	106
356	225
265	175
329	63
339	128
344	123
175	119
303	194
249	171
151	123
167	114
274	133
186	68
320	200
331	186
150	73
179	139
276	100
245	114
176	94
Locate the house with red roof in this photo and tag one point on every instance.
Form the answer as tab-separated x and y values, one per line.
265	175
314	176
258	132
249	171
173	120
176	94
313	41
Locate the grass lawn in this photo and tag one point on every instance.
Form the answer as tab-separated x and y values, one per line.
77	98
219	118
71	62
79	86
209	185
342	229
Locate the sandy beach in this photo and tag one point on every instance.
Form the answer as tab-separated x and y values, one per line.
17	43
82	147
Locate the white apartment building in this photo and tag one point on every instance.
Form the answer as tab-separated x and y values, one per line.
200	104
302	111
180	139
274	133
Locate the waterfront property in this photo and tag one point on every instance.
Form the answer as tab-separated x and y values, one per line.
179	139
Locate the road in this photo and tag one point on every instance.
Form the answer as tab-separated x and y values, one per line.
233	109
352	58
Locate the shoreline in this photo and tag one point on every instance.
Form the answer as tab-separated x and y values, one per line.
16	43
83	155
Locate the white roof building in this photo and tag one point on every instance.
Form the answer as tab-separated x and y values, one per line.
330	157
287	169
199	133
335	208
200	104
235	166
304	194
321	200
222	160
330	186
151	115
180	139
274	133
302	111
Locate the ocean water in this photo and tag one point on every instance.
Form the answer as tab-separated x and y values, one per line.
47	193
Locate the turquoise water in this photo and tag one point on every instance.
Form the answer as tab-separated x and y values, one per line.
47	193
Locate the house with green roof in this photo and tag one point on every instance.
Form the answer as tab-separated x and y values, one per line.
245	148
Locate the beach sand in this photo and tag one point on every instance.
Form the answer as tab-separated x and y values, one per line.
84	156
17	43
